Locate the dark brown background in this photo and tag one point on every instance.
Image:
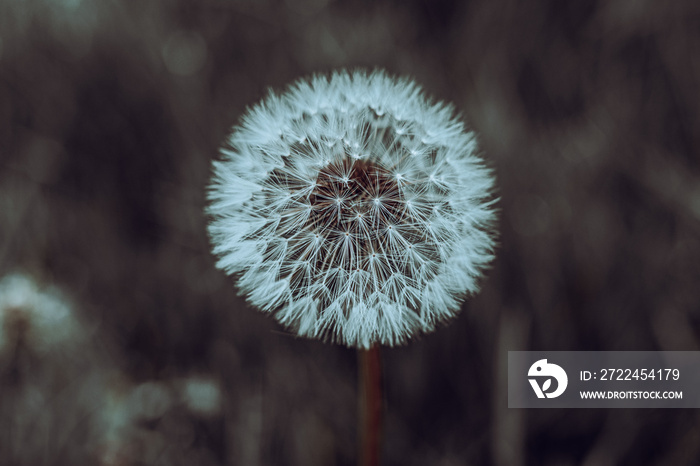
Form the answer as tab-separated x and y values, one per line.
110	115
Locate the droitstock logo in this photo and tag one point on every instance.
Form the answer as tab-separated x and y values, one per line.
543	373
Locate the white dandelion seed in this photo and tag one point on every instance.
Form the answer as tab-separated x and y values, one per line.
353	208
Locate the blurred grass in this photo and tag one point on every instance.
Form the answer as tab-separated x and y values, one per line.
110	115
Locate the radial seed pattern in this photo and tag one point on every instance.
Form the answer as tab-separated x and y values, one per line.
353	208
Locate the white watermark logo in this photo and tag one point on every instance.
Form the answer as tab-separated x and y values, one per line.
546	372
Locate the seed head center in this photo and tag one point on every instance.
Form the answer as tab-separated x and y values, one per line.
352	189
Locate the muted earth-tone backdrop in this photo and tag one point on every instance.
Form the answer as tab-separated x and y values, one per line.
110	115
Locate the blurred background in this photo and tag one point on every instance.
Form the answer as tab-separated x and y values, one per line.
122	344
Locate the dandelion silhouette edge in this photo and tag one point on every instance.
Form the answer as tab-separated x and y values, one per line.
353	208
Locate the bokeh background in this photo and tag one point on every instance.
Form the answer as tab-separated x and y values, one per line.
122	344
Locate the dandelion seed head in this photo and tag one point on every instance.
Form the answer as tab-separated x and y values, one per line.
370	228
41	318
202	395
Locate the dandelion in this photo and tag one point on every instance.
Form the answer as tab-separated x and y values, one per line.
353	208
41	319
202	395
51	376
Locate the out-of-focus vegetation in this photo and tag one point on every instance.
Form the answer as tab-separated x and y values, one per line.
110	115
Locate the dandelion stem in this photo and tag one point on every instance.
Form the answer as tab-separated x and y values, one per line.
370	405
